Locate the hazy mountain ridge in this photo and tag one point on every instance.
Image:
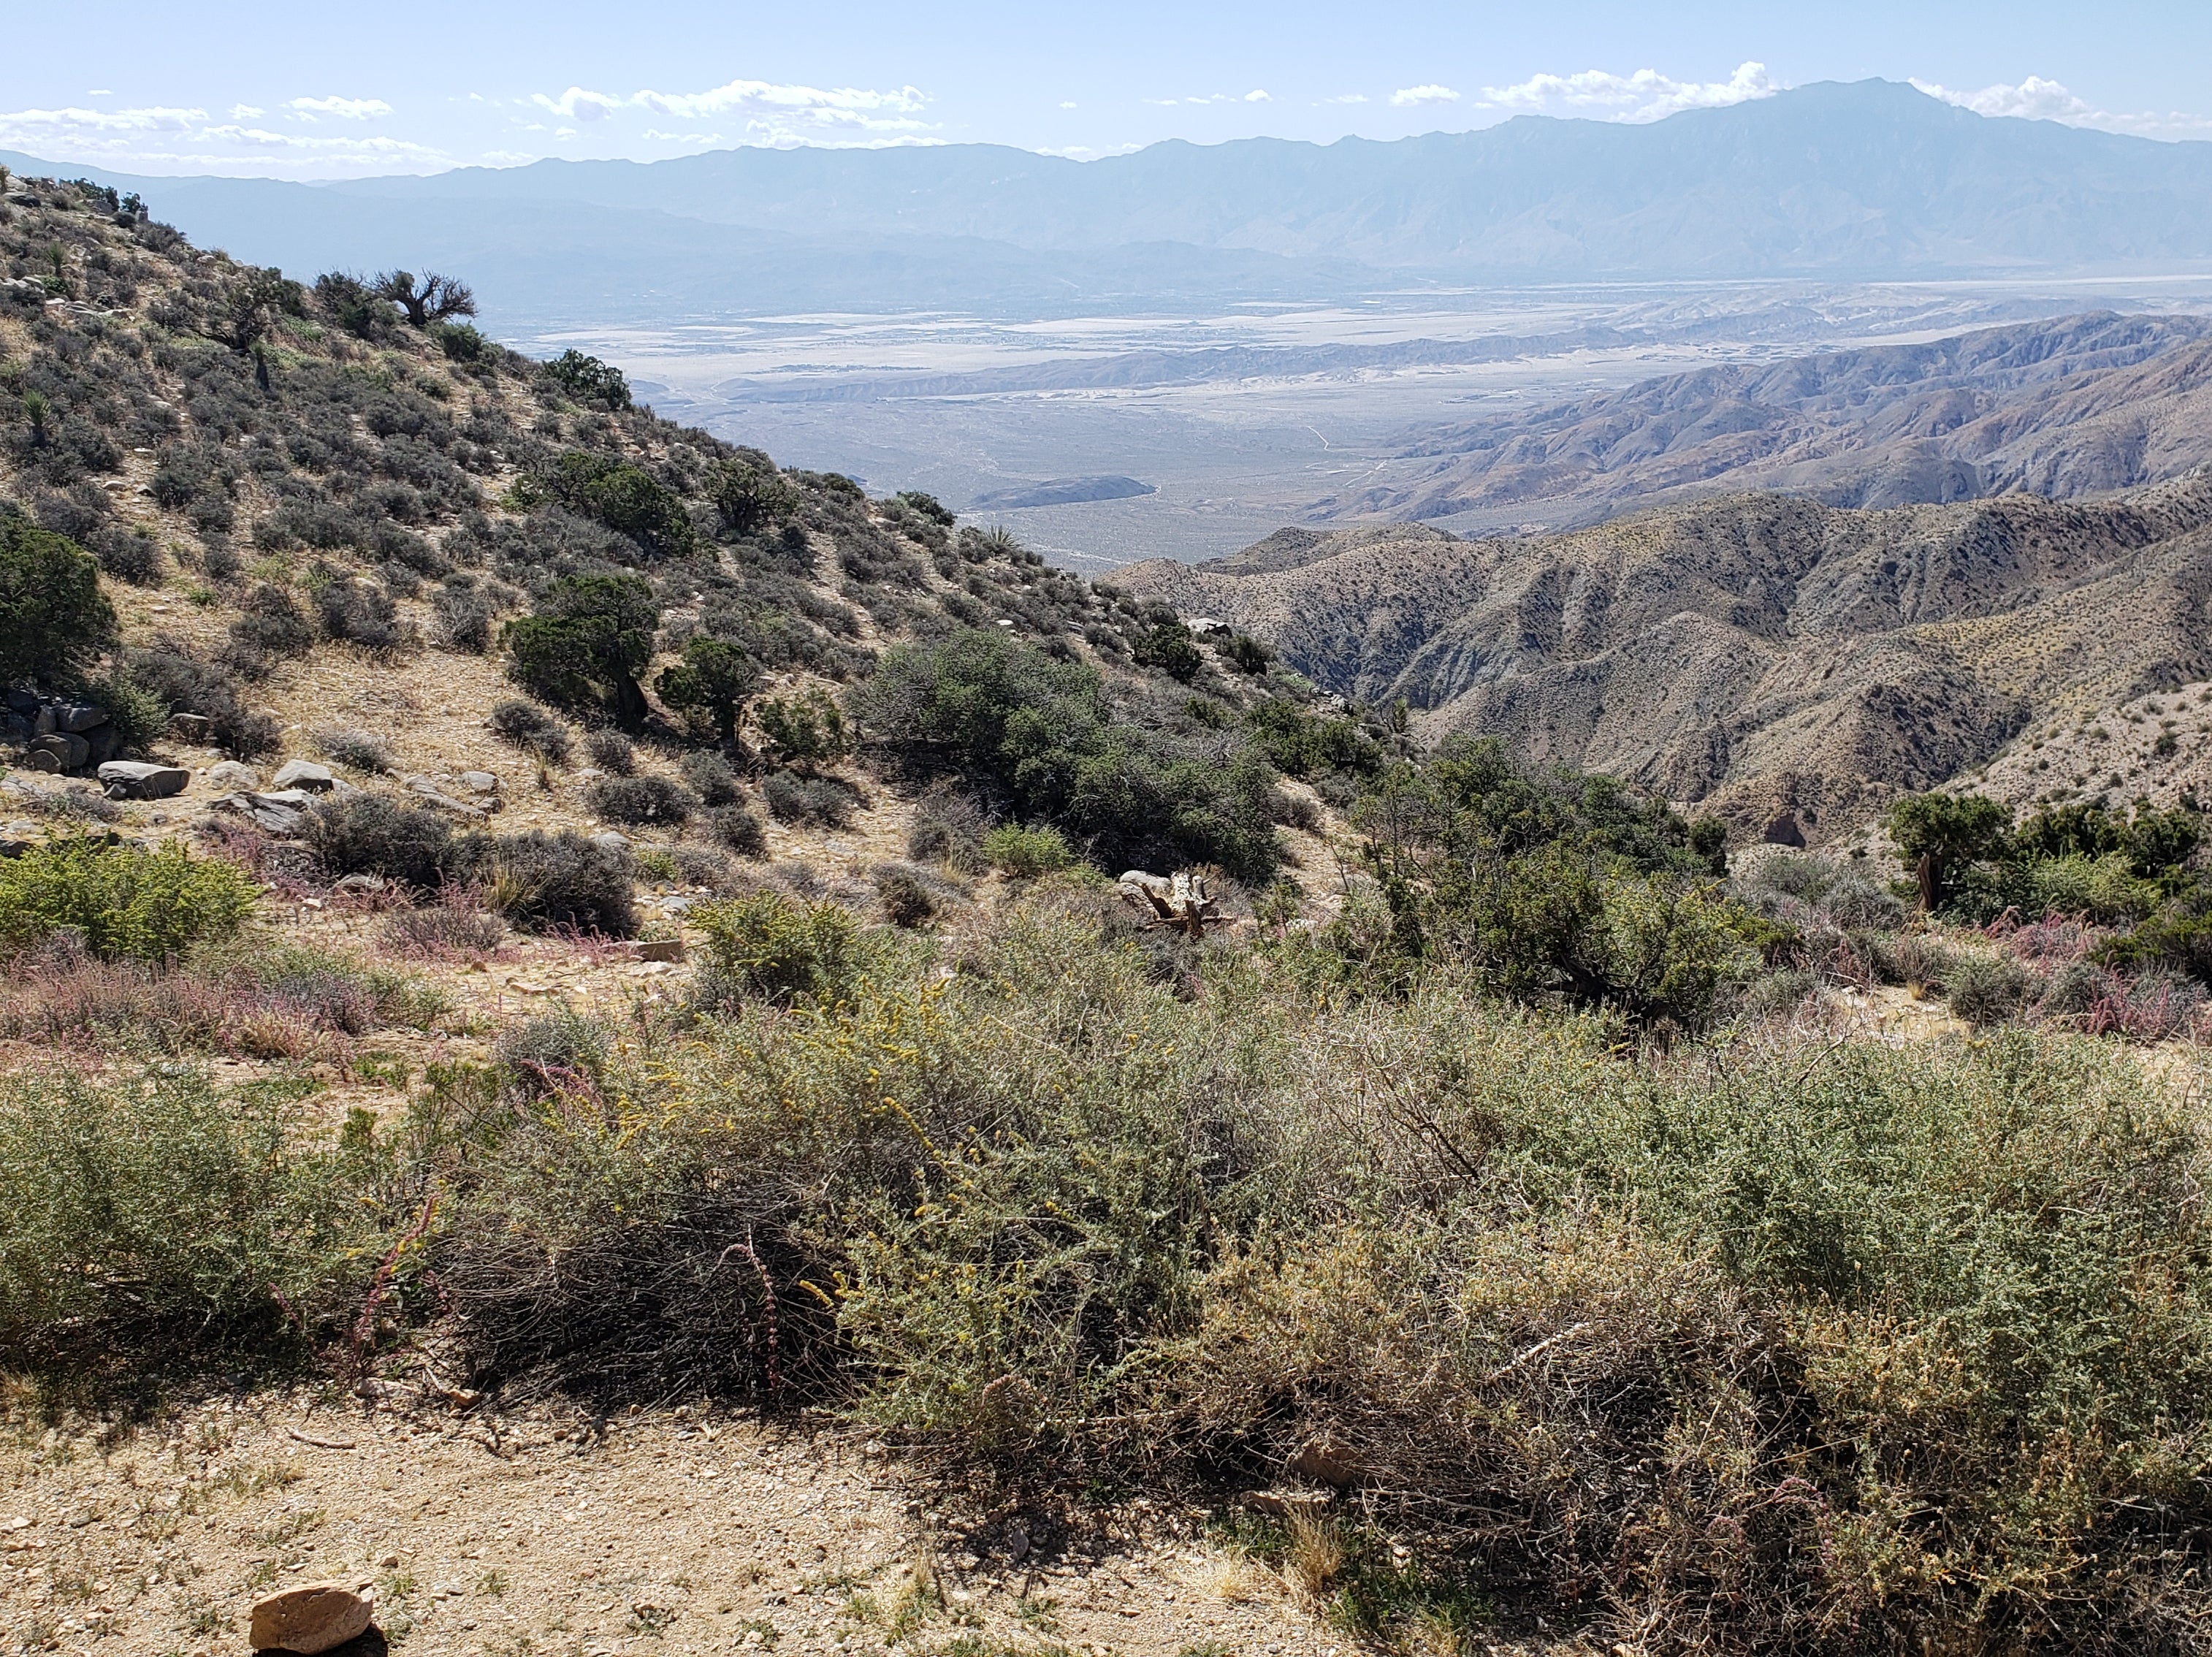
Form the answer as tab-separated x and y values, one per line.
1753	652
1842	181
2077	407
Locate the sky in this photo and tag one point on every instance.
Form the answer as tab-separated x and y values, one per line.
321	92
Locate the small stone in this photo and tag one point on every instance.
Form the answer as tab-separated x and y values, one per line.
389	1563
301	774
608	840
480	782
133	779
231	775
310	1618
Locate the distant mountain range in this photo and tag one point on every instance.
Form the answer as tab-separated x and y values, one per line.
1756	653
1849	182
2079	406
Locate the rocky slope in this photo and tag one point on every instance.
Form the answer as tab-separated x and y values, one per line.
2078	407
1755	653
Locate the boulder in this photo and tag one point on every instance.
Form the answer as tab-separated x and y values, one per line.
132	779
280	811
310	1618
77	718
22	701
231	775
608	840
69	751
101	744
301	774
480	782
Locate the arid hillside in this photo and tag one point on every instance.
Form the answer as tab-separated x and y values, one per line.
1759	653
2078	407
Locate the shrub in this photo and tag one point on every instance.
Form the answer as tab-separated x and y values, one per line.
452	930
751	499
126	903
1939	836
353	613
1027	853
636	800
1171	648
1986	989
584	649
712	779
530	727
53	617
815	801
769	947
802	732
465	615
188	686
906	901
1039	736
623	496
130	555
361	750
460	342
701	866
542	882
136	711
713	680
611	752
153	1220
738	829
587	380
948	828
272	624
553	1053
369	834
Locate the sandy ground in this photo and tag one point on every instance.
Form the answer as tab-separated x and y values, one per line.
647	1535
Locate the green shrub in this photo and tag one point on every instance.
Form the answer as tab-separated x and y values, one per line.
530	727
589	380
802	732
713	681
460	341
127	903
751	499
712	779
541	1055
625	497
1171	648
370	834
151	1221
611	752
53	617
543	883
585	648
1986	989
770	947
1027	853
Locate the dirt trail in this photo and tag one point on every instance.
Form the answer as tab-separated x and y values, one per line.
651	1535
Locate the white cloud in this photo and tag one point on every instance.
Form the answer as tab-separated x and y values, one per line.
1412	96
1256	97
163	139
1646	96
346	109
772	113
1067	106
1347	98
247	111
101	92
2036	99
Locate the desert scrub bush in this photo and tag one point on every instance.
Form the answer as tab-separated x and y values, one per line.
549	882
1986	989
807	802
735	827
453	928
125	902
1027	853
357	750
561	1050
370	834
641	800
53	617
906	897
611	752
529	727
711	778
949	827
770	947
153	1220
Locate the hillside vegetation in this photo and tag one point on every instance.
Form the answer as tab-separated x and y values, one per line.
681	965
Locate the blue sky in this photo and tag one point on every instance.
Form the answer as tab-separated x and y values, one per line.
292	91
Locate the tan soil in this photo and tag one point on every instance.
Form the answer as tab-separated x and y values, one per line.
645	1535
